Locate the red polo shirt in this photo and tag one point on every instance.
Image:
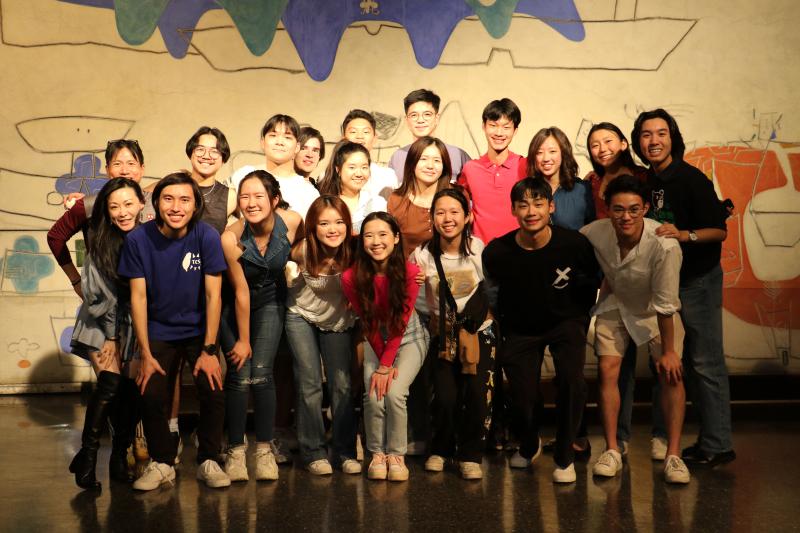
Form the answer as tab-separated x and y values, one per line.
489	185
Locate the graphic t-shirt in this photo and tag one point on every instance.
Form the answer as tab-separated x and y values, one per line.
538	289
174	271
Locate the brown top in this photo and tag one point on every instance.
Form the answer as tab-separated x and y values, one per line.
415	222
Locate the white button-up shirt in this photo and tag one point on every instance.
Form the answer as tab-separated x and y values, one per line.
644	283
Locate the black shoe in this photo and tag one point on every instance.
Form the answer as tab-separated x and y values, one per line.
118	467
584	454
700	458
690	451
83	466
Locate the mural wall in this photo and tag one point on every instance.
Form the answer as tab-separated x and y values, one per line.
80	72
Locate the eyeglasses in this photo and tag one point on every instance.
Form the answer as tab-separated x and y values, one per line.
426	116
619	212
206	151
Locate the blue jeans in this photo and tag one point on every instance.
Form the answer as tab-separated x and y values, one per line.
386	420
704	360
266	326
308	342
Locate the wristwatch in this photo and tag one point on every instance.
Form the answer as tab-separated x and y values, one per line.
211	349
692	236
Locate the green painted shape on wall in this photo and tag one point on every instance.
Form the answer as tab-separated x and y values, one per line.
495	18
256	21
137	19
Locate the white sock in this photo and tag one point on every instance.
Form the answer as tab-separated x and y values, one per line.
173	425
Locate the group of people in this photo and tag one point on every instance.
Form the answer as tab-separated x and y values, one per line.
429	283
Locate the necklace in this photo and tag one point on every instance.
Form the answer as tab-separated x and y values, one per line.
206	194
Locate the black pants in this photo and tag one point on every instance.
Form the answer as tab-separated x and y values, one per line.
157	402
462	402
521	359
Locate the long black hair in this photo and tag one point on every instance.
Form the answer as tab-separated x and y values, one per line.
365	271
625	157
435	243
105	238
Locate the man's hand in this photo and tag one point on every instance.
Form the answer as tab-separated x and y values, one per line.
209	365
669	365
148	367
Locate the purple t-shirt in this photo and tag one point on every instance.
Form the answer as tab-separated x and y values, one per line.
173	270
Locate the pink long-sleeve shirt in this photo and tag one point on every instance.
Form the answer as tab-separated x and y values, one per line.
385	350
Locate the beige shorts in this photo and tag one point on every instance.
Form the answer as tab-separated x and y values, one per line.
611	337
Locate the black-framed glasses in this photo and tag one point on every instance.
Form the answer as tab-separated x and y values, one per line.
635	212
207	151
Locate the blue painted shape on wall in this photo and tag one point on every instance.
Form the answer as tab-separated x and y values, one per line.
85	177
25	266
316	27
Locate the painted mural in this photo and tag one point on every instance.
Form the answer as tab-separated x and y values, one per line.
81	72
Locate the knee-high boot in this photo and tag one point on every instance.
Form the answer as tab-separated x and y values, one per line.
124	416
84	463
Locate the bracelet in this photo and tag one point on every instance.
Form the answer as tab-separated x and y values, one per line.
75	282
382	373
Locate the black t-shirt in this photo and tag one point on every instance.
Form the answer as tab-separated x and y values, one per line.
538	289
682	195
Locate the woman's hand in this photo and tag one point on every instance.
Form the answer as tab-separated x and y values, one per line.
108	353
381	381
240	353
420	278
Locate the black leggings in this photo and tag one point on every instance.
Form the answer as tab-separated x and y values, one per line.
462	402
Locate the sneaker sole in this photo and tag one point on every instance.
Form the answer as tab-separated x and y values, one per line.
398	476
165	481
376	475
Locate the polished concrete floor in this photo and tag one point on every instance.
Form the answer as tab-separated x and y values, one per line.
759	492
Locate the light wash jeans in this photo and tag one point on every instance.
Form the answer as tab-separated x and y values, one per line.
308	343
386	421
266	326
704	360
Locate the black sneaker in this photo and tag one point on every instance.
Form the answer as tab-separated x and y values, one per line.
709	460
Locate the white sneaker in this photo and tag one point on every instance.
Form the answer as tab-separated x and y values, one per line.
398	471
675	470
212	475
266	467
470	470
154	476
658	448
351	466
177	436
236	464
565	475
518	461
608	464
282	455
434	463
320	467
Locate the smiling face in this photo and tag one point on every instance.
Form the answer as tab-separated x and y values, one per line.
254	202
354	173
499	133
123	208
627	212
176	205
532	214
308	157
548	158
360	131
331	228
655	143
378	240
421	119
206	158
429	167
449	218
606	147
280	145
125	165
